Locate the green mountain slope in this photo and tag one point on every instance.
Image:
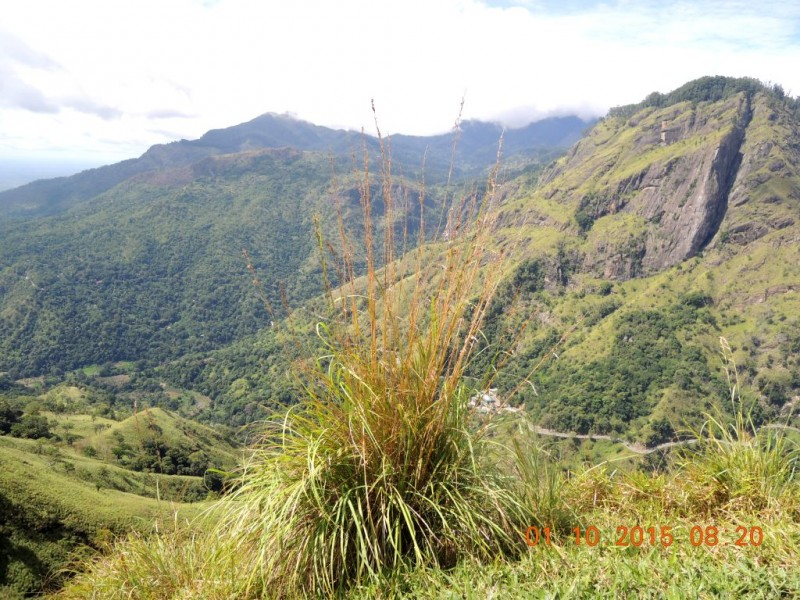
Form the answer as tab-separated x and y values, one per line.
665	228
160	441
55	506
671	224
142	261
47	197
153	268
477	150
76	479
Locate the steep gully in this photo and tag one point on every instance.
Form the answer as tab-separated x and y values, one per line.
726	167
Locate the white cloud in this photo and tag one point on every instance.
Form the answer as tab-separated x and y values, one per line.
130	71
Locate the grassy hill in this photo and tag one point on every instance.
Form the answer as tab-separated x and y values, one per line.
164	432
85	479
55	506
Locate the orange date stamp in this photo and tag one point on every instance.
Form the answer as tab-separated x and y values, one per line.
660	535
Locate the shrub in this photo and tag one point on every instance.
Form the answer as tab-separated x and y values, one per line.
8	417
32	426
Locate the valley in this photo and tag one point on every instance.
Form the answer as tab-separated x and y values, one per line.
153	313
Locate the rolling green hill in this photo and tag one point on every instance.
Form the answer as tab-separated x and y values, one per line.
71	480
159	441
56	506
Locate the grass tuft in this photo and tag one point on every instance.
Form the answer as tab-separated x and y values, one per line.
738	468
179	560
380	467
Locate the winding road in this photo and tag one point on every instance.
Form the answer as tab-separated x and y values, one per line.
635	448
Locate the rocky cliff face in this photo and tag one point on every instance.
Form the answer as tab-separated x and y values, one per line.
647	191
687	198
765	195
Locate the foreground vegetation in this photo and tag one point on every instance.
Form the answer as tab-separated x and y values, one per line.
741	487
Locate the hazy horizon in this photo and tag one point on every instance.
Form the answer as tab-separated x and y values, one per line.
18	171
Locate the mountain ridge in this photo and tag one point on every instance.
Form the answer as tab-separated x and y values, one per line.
51	196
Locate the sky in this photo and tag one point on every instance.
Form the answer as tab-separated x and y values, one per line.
103	80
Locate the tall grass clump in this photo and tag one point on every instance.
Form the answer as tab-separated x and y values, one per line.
736	467
381	466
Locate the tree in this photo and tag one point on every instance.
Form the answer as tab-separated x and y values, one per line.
8	417
33	427
5	382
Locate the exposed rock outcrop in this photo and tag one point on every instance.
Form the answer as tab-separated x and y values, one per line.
765	194
728	172
685	198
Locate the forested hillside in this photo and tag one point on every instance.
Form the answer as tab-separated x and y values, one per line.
152	268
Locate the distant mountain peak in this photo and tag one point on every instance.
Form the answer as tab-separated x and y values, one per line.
477	149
